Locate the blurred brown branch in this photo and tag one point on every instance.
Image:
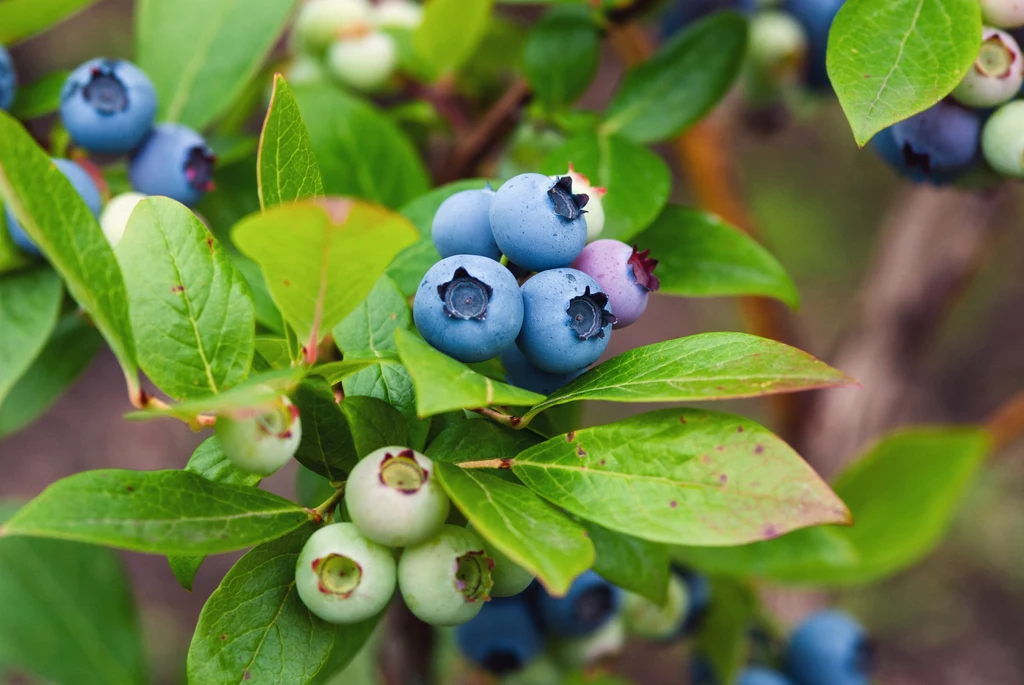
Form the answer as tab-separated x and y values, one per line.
1006	425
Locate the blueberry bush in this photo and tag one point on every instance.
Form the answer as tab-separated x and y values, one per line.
383	240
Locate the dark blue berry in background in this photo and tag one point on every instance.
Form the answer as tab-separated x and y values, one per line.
108	106
174	161
682	13
816	16
937	144
829	648
503	638
82	183
8	80
462	225
590	603
522	374
698	588
758	675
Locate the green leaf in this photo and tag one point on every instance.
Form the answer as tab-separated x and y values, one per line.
73	345
682	82
725	630
361	151
202	54
521	525
39	98
637	180
160	512
336	250
255	629
311	488
637	565
326	446
374	424
449	33
191	309
475	440
562	54
709	366
29	304
287	166
681	476
21	19
336	372
389	381
700	255
59	222
443	384
275	352
890	59
68	614
369	331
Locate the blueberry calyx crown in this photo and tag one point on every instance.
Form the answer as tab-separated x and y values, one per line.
402	472
473	575
995	59
278	421
594	605
588	316
643	269
465	297
199	163
567	205
502	662
337	575
865	656
105	91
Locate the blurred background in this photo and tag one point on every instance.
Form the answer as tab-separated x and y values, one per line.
847	229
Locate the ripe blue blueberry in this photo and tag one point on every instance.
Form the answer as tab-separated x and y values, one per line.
522	374
1006	14
997	74
941	142
342	577
446	580
462	225
260	440
829	648
567	321
538	223
503	638
393	497
80	181
624	273
590	603
8	80
758	675
1002	140
174	161
468	307
682	13
108	106
816	16
651	621
698	592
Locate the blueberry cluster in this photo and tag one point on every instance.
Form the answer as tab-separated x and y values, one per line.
471	306
352	40
108	107
347	572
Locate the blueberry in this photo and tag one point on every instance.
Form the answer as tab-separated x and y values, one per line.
682	13
522	374
997	74
8	80
1003	140
260	440
816	16
594	215
321	22
462	225
446	580
538	223
758	675
574	653
364	62
510	579
174	161
698	591
108	106
651	621
1005	14
342	577
468	307
114	219
938	144
624	273
394	498
81	181
590	603
503	638
776	56
398	14
567	322
829	648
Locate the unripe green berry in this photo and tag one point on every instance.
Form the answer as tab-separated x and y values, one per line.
446	580
260	440
777	56
114	219
321	22
997	74
342	577
1002	140
394	498
1006	14
509	577
365	62
398	14
650	621
575	653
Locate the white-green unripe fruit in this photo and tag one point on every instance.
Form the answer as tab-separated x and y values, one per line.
342	577
1006	14
1002	140
650	621
365	62
394	498
509	577
777	54
262	439
446	580
398	14
321	22
997	74
114	219
607	642
305	71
